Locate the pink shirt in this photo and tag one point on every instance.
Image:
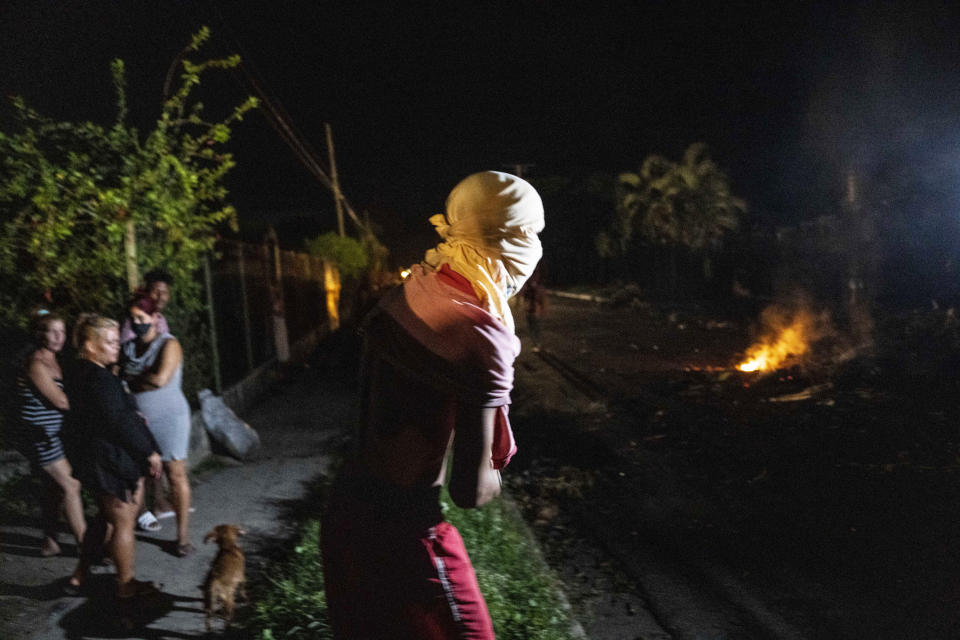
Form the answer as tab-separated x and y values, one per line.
441	312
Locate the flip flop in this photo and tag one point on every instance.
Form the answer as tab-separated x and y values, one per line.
148	522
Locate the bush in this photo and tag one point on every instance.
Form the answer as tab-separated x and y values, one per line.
74	196
348	254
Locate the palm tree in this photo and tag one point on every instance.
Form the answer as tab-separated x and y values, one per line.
687	204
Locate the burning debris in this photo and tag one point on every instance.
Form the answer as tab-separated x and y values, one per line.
788	336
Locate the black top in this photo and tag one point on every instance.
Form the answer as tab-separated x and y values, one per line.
107	441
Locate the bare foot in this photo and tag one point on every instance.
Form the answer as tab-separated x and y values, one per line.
49	547
137	588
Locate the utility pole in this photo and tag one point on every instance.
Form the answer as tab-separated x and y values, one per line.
337	194
518	167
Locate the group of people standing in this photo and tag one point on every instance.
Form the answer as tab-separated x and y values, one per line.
105	421
436	376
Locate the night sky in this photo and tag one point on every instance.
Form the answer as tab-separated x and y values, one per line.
786	94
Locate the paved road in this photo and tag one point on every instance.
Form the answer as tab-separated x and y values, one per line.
299	423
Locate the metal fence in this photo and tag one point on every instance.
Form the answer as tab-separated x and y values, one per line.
262	297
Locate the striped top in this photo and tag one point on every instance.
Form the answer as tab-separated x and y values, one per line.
39	424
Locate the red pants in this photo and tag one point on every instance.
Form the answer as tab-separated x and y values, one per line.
395	570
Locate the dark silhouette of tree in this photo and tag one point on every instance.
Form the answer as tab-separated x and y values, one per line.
677	205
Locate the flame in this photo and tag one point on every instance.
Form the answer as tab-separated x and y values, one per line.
790	338
404	274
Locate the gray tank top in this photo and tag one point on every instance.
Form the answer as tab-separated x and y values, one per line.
134	365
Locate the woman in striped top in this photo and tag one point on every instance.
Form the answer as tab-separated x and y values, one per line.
42	407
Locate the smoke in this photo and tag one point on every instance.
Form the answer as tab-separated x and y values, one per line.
882	108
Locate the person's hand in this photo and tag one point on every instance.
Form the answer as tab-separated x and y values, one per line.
156	465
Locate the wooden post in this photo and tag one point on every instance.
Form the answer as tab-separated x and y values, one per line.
280	340
337	194
130	249
211	317
247	339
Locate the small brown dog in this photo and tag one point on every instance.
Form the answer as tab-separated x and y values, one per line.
227	573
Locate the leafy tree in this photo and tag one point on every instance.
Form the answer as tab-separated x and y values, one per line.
686	204
349	255
71	192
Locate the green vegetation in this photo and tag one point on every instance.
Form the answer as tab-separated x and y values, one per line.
293	604
347	254
85	207
78	198
517	585
686	205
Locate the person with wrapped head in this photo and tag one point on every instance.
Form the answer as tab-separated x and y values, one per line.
436	376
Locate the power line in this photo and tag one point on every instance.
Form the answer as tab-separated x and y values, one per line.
282	123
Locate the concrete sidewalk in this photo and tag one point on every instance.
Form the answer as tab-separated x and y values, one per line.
300	422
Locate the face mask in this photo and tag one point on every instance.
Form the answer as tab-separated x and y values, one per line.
141	329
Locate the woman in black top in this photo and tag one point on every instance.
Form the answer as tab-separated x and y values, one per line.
112	449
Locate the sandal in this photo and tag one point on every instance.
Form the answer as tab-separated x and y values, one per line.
169	514
184	550
148	522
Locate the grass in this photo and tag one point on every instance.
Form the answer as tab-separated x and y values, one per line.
293	604
518	586
520	592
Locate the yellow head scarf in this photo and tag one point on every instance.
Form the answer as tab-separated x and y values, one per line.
490	237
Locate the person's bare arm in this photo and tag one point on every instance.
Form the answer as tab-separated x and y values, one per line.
473	481
170	357
42	379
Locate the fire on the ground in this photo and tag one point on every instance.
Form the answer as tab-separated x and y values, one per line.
787	338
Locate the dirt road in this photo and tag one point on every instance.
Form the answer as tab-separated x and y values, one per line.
729	513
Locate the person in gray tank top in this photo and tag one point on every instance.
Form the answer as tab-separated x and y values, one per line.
152	366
